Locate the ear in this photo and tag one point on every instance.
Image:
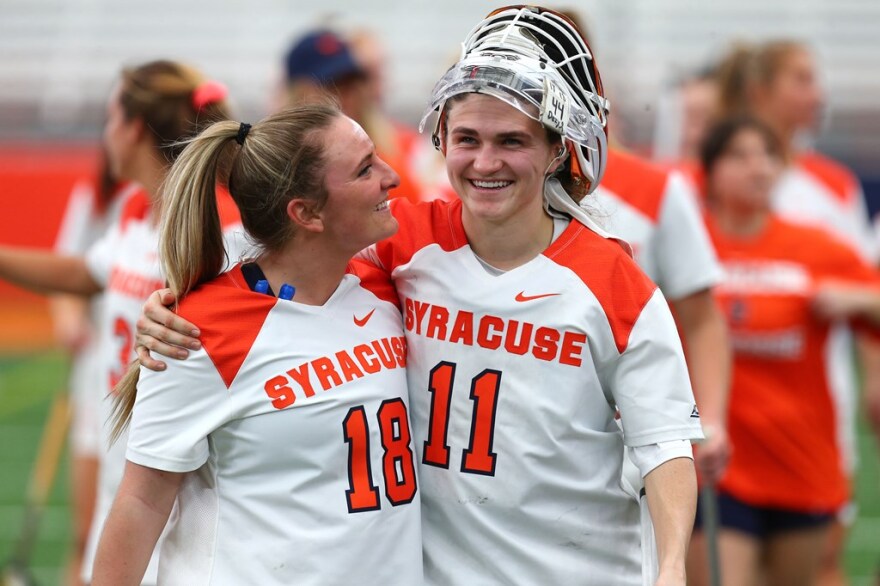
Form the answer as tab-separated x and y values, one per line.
560	154
137	129
302	213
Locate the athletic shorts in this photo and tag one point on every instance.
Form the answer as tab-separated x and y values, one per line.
763	522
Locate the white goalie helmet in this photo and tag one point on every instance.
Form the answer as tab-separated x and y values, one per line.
537	61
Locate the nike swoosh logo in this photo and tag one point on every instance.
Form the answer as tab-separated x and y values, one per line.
363	321
521	296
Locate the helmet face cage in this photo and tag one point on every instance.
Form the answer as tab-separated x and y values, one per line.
557	41
536	43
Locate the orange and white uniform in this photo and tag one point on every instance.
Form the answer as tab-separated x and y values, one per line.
293	424
655	211
819	191
514	379
125	263
83	223
782	416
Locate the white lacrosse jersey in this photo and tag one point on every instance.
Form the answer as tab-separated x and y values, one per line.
293	421
655	211
125	263
514	379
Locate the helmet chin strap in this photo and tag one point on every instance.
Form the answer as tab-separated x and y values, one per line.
557	199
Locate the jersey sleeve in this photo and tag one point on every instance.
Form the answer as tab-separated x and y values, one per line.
685	257
174	412
845	266
842	263
649	381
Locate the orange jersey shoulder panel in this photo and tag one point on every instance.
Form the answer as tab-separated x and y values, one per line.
375	280
421	225
612	275
636	181
136	207
230	316
838	179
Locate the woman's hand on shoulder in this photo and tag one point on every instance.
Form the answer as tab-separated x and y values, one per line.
163	332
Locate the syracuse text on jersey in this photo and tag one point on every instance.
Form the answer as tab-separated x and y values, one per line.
133	284
745	279
493	332
329	371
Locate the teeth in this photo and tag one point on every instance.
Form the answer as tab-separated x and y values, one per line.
382	206
491	184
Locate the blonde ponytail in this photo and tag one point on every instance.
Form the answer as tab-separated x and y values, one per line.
191	249
282	158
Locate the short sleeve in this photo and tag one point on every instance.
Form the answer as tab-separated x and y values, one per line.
175	411
685	257
649	381
844	265
841	262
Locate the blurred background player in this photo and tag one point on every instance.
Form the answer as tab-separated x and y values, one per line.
153	106
323	62
94	205
684	115
784	286
339	503
777	82
656	212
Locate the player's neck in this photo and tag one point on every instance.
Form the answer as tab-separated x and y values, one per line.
313	271
740	222
150	173
509	244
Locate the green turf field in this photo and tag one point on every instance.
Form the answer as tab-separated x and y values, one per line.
28	383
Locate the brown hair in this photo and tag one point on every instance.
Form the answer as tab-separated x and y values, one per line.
721	134
161	93
746	67
281	158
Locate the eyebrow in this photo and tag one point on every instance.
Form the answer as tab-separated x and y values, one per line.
519	134
363	161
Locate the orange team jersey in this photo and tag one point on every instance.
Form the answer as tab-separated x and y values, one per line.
781	416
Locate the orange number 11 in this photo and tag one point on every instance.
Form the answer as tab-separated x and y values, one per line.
478	458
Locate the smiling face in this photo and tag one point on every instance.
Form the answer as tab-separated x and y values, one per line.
496	158
356	212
